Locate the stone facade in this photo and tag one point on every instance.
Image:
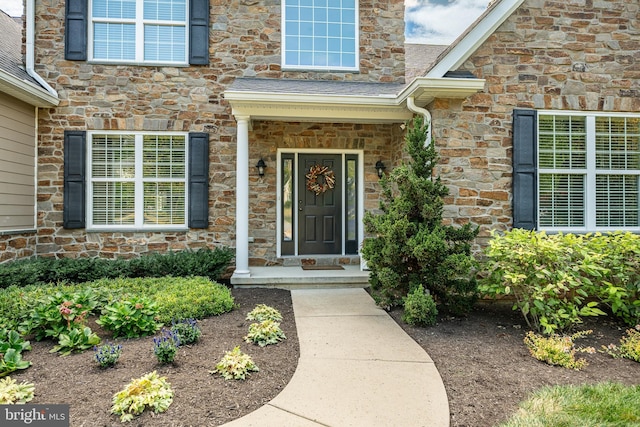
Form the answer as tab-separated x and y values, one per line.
580	55
244	42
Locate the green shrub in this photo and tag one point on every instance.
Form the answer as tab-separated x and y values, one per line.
131	317
419	308
11	392
619	256
40	271
265	333
12	345
235	365
409	245
263	312
548	275
557	350
184	298
149	391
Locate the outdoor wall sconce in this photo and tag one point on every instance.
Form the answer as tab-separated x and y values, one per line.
261	165
380	167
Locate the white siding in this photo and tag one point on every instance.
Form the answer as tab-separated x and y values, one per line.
17	165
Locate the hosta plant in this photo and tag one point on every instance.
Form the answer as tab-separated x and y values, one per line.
235	365
131	317
166	346
12	361
265	333
264	312
149	391
186	330
11	392
12	339
76	339
629	346
107	355
557	350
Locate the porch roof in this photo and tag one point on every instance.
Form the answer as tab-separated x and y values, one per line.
339	101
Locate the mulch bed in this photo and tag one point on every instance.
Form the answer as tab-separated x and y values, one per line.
487	370
200	399
484	364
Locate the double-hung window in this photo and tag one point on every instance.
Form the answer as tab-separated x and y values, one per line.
139	31
320	34
137	180
586	168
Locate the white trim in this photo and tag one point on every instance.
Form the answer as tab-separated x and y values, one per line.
30	52
476	36
360	196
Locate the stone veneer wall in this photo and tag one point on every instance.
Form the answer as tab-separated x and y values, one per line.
581	55
378	142
17	246
244	42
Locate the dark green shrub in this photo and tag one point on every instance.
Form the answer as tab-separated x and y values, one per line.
409	245
39	271
419	308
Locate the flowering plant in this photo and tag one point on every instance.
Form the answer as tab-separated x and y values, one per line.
166	346
131	317
235	365
265	333
108	354
186	330
264	312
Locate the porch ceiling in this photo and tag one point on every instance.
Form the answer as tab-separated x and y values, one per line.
339	101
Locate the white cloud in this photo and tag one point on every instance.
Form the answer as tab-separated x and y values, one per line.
440	21
11	7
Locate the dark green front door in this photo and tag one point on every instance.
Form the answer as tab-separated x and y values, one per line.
319	215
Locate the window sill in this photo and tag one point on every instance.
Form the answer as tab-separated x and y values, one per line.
140	64
138	230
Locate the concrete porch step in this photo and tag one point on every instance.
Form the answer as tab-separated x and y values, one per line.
294	261
294	277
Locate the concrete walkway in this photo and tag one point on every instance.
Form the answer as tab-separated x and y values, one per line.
357	368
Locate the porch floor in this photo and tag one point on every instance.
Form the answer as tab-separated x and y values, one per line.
294	277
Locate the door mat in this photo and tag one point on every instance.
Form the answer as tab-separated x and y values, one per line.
322	267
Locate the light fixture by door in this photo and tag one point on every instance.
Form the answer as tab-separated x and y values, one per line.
261	166
380	167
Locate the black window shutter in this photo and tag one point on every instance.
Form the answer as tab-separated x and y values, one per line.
75	38
74	179
198	180
525	209
199	32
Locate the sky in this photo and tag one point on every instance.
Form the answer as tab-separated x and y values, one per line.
427	21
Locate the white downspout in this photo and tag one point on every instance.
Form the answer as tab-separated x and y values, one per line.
411	105
30	48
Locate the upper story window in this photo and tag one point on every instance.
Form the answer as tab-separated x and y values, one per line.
588	172
320	34
137	180
139	31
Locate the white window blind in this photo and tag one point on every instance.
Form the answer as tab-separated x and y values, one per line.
138	180
588	171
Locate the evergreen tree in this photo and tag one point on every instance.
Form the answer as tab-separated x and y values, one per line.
409	246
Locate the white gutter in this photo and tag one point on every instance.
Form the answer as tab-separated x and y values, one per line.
31	35
411	105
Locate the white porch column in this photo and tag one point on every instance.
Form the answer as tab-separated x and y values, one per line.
242	198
